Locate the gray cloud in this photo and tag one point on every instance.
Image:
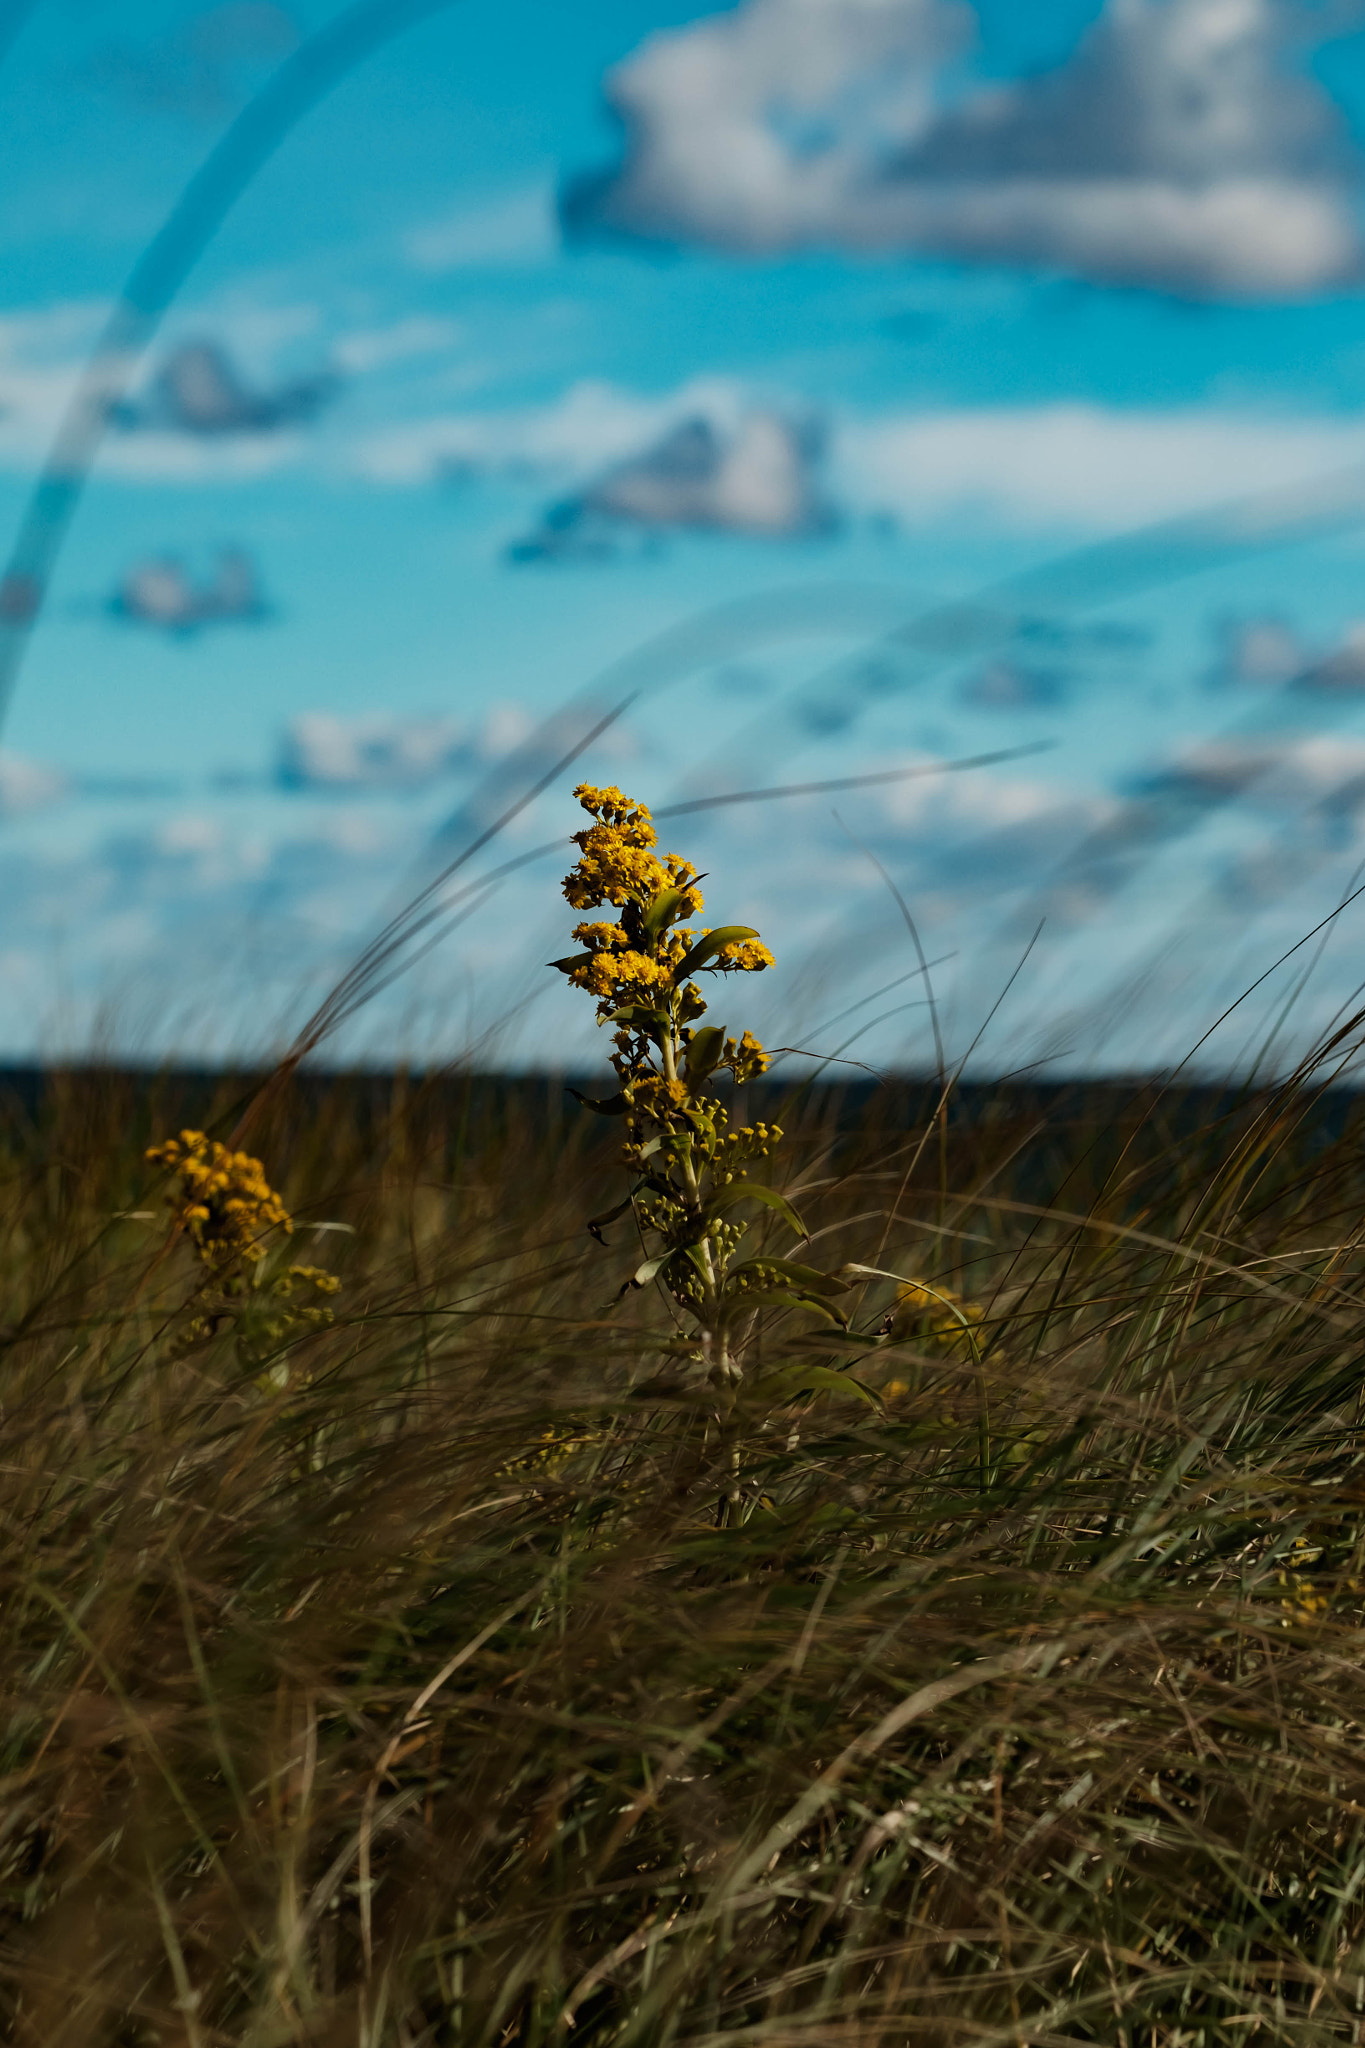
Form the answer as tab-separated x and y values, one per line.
1179	148
160	592
1342	669
756	477
1266	651
1259	652
198	390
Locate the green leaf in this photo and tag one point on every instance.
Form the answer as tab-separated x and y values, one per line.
754	1191
704	1052
661	912
713	943
638	1018
790	1297
819	1378
615	1105
646	1272
570	961
803	1277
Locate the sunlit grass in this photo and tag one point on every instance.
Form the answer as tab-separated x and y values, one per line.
391	1681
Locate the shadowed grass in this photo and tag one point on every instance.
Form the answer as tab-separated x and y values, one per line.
391	1682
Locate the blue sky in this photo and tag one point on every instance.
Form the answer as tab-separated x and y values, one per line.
554	331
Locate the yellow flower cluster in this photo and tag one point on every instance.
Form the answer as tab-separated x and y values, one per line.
744	956
615	863
657	1097
682	875
223	1199
315	1277
616	971
618	978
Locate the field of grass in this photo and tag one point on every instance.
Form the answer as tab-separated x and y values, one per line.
379	1667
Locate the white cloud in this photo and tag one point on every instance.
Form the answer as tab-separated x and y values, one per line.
28	785
1068	466
43	354
323	751
1079	465
1321	769
517	227
159	592
1258	652
1177	148
373	348
594	423
756	478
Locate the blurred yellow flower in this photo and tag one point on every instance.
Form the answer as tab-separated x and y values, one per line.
222	1200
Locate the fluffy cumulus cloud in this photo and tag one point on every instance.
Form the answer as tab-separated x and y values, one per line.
1182	146
198	390
757	479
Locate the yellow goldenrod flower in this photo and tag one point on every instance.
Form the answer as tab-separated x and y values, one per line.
682	875
745	956
617	813
601	937
936	1311
656	1096
223	1200
690	1166
618	976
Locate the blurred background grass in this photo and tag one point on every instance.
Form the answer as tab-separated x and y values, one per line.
391	1681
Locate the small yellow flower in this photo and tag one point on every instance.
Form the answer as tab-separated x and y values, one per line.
657	1097
744	956
1303	1602
682	875
618	813
601	938
746	1059
936	1311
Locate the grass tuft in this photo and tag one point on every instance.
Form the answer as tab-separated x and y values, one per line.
380	1675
